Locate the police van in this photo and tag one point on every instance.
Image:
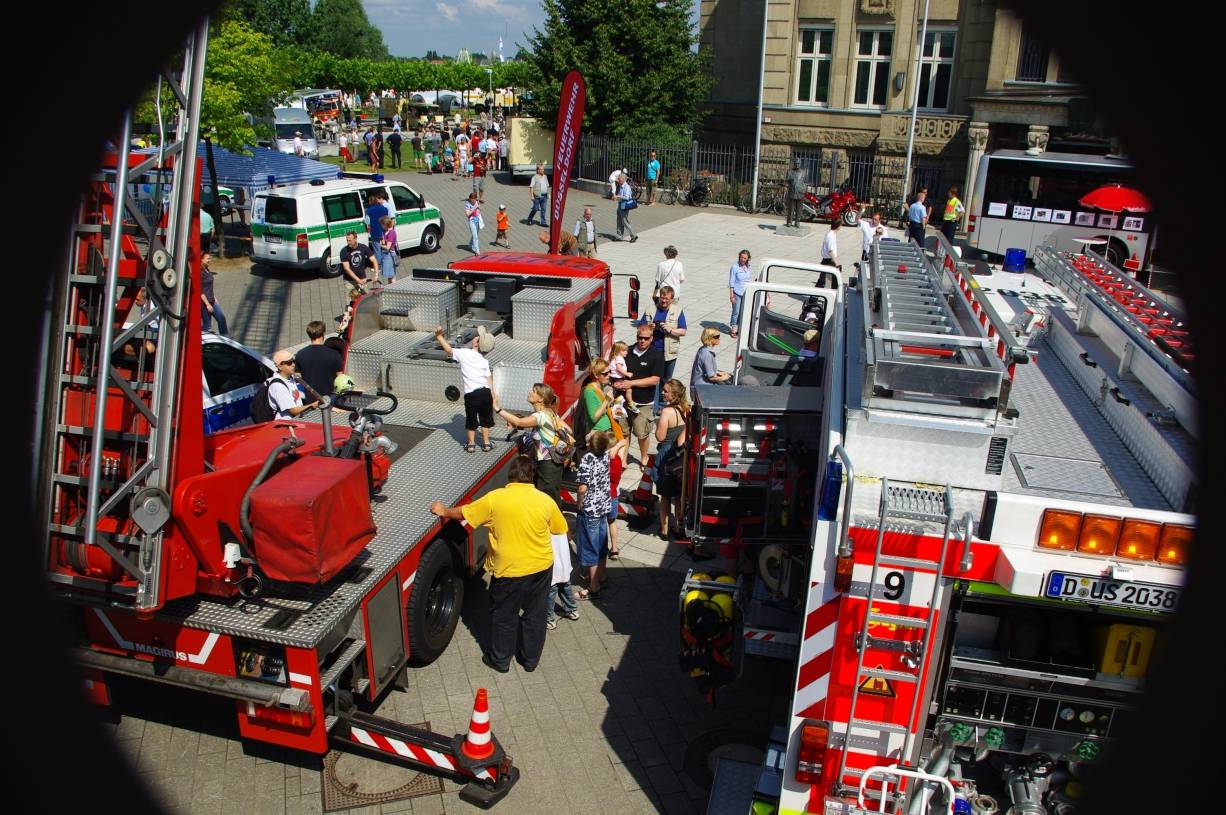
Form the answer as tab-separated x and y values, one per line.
303	226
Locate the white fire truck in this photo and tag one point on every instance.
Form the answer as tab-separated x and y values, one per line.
965	518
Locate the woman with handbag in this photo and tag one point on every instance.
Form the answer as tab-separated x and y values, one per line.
625	203
670	455
548	441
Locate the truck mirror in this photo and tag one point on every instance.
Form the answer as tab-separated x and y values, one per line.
632	302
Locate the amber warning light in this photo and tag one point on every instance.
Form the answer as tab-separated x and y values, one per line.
1109	536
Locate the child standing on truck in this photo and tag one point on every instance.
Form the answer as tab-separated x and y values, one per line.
478	382
504	223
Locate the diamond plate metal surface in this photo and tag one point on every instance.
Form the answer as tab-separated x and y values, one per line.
425	303
532	309
1059	420
1064	475
366	355
923	454
403	519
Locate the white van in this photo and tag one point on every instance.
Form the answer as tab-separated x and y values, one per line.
291	122
304	225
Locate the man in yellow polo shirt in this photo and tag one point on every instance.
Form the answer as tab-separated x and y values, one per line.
520	559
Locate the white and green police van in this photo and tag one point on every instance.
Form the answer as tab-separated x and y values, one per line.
303	226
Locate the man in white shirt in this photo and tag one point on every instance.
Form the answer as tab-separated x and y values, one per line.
283	393
478	385
298	149
669	272
872	229
614	184
830	246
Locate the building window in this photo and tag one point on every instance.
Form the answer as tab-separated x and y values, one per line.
873	50
1032	58
813	70
936	70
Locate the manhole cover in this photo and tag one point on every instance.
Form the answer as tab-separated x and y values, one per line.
1064	474
705	752
351	780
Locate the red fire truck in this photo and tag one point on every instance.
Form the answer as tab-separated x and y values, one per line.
251	564
965	520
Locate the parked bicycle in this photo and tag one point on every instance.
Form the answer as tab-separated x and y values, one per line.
696	194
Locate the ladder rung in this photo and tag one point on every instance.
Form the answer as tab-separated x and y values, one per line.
110	435
908	562
899	620
898	676
98	280
82	481
869	724
360	686
330	722
92	381
79	532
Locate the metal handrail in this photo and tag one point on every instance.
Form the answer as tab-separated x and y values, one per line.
845	542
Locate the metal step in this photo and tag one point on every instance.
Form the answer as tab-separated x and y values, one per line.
908	562
898	676
110	435
342	662
79	532
915	504
92	381
869	724
361	686
897	619
330	722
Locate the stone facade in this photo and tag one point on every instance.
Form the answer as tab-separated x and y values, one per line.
989	46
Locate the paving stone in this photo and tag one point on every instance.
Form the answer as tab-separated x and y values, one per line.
649	753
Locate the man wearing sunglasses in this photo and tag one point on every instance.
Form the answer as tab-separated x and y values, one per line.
283	390
646	366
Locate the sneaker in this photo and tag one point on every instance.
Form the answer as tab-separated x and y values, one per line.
551	624
635	238
571	615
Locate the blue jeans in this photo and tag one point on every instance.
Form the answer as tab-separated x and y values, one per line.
592	537
474	228
737	301
387	269
206	319
540	202
669	366
567	593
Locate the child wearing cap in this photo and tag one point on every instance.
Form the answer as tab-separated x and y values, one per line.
504	224
478	383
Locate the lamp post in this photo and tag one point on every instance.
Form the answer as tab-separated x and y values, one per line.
919	66
757	138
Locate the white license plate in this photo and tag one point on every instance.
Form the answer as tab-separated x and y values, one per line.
1107	592
272	239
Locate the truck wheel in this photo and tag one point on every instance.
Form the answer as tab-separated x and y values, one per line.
429	240
433	607
326	269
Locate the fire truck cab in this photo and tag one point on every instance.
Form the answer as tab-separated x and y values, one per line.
965	519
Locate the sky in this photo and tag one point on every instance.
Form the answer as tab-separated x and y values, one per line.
412	27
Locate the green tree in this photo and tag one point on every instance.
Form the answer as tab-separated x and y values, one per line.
284	21
341	27
637	59
241	75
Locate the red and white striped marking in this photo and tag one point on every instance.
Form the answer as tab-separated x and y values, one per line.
816	656
478	743
408	581
766	635
422	755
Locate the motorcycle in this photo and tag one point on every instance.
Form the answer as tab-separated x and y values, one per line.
840	203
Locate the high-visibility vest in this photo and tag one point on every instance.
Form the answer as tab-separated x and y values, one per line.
952	206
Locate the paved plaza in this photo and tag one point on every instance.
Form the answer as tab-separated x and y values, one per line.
607	723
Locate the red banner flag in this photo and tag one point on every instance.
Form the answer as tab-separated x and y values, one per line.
565	145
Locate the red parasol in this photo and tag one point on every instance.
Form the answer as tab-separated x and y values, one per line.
1116	198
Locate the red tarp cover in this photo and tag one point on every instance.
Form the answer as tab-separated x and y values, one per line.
311	519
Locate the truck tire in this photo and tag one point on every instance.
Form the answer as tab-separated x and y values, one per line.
326	269
429	240
433	608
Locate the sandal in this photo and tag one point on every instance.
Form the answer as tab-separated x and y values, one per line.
487	447
470	448
613	555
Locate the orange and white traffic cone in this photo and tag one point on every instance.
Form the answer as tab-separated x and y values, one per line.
478	744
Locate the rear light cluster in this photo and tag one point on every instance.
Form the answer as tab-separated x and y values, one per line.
302	241
814	740
1109	536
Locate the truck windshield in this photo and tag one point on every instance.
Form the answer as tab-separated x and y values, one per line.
286	131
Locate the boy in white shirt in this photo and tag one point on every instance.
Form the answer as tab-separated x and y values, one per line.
478	385
830	246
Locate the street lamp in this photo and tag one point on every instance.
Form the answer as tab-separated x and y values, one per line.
490	71
919	67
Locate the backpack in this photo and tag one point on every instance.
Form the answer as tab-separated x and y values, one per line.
262	409
562	451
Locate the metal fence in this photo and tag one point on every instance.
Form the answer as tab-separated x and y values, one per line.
876	180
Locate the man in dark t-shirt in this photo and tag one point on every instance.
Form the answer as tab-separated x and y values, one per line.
356	258
646	367
393	142
317	363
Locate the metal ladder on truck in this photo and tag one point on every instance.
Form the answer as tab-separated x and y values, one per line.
910	297
899	504
108	415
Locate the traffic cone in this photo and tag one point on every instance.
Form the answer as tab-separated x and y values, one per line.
478	744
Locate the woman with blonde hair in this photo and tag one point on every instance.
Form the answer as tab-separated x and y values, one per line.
597	403
670	454
705	369
544	421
